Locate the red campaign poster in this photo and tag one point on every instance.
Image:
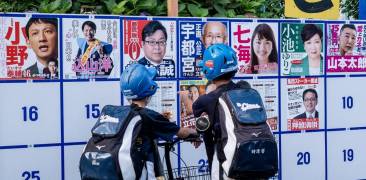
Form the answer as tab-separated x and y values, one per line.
28	48
151	43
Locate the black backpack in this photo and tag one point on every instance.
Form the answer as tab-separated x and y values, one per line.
112	153
247	142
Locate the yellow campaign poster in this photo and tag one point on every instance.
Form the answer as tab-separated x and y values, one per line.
316	9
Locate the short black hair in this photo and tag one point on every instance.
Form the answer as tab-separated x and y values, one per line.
309	90
90	24
309	30
351	26
243	84
151	27
226	76
31	21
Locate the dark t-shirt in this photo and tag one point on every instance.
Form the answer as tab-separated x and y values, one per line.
208	103
153	126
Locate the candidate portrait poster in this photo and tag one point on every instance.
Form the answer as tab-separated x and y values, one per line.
346	48
29	52
189	91
302	49
91	48
256	47
155	50
305	104
195	37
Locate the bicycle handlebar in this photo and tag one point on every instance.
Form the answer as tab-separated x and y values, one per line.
189	138
192	138
168	145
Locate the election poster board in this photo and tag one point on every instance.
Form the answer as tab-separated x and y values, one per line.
60	70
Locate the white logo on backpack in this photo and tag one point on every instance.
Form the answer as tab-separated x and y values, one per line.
246	106
106	118
256	134
99	147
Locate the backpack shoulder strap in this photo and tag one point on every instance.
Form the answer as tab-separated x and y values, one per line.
158	166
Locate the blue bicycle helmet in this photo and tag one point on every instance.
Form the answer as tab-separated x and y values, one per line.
218	59
137	82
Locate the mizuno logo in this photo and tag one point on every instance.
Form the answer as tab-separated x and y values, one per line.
99	147
256	134
246	106
106	118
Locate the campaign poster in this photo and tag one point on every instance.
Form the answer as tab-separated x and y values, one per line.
195	37
164	101
29	52
305	106
256	47
91	48
346	48
189	91
302	49
151	43
268	90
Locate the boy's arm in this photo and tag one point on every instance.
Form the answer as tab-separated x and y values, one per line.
200	105
185	132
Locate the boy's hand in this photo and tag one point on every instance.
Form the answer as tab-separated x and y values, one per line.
185	132
168	115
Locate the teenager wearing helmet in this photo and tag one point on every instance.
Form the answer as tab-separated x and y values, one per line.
219	65
138	85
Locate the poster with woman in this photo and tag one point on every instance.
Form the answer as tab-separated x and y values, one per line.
302	49
91	48
256	47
